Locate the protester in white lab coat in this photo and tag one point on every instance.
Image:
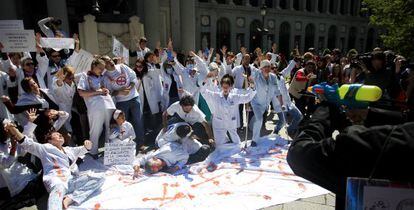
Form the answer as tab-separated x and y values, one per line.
13	175
4	89
121	130
183	133
190	77
170	157
121	81
99	102
142	49
185	110
33	97
267	88
60	170
64	89
172	87
224	105
288	107
240	73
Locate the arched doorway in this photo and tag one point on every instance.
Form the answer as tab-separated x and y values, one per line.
309	36
255	35
223	33
370	40
352	38
332	37
284	38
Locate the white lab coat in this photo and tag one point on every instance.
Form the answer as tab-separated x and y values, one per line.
166	82
64	98
225	111
120	78
4	85
153	89
122	133
238	72
57	169
172	153
190	83
190	145
13	174
283	89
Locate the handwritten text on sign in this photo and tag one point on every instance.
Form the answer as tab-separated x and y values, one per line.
18	40
122	153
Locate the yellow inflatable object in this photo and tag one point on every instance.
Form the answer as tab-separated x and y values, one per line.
367	93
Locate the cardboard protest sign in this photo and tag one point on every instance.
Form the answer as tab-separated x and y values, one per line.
11	25
58	43
18	40
122	153
81	61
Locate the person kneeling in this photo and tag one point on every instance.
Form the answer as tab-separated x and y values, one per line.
183	133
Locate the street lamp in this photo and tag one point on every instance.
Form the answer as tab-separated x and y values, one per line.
263	30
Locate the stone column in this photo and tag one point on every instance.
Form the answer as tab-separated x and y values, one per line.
58	9
175	24
88	34
338	7
276	4
327	6
357	7
152	22
316	6
8	10
187	8
290	4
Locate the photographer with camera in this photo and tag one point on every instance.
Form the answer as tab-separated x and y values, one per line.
379	152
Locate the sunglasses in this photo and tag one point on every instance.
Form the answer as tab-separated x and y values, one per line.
139	66
55	56
29	64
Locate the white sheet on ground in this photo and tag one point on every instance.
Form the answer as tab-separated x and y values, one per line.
254	179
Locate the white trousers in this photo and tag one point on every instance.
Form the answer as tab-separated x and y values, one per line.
98	118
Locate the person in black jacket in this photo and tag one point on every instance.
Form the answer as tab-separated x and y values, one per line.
380	152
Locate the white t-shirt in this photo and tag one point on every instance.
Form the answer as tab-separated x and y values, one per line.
120	78
93	103
195	115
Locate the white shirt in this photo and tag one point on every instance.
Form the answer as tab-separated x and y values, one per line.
194	116
93	83
121	133
64	94
141	52
238	72
119	78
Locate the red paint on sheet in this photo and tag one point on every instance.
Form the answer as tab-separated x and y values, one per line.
97	206
266	197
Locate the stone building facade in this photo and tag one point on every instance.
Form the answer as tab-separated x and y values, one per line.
198	24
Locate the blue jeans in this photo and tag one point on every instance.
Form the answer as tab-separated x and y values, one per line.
296	118
132	110
258	111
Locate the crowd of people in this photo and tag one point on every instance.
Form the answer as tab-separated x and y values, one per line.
182	106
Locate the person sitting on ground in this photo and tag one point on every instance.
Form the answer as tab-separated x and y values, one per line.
121	130
183	133
60	169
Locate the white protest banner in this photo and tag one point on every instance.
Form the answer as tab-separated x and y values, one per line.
125	55
58	43
122	153
18	40
11	25
81	61
117	47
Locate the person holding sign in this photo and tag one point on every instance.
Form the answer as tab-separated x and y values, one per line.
121	130
59	167
98	101
142	49
120	81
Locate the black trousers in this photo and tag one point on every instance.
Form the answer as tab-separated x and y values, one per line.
200	155
198	128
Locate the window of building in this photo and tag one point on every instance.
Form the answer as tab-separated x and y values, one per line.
221	1
321	6
238	2
332	7
269	3
223	33
284	38
296	4
283	4
332	37
254	3
342	5
309	36
352	38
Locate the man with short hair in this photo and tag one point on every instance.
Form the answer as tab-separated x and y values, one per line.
186	111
